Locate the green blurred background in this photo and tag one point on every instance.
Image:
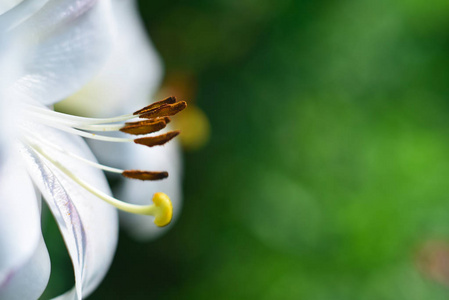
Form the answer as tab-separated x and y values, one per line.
327	172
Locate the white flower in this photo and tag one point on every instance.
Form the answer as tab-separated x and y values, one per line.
61	45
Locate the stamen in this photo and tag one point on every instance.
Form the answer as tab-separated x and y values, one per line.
56	121
101	127
132	174
85	134
76	119
144	127
73	155
169	100
144	175
158	140
161	208
164	110
157	115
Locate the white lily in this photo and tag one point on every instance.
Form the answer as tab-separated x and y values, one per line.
62	45
128	80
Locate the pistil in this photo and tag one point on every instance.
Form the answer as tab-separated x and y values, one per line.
161	208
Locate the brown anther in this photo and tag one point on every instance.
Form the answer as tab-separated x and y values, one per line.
169	100
144	127
158	140
144	122
164	110
145	175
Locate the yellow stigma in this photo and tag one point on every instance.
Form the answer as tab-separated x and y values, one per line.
164	209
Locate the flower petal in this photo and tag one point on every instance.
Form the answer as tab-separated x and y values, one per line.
166	158
89	225
6	5
15	13
20	226
24	262
10	58
63	209
68	41
131	74
30	280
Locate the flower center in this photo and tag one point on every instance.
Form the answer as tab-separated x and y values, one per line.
155	118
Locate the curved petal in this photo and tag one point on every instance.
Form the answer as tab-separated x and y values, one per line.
47	15
17	11
166	158
67	43
10	58
30	280
63	209
6	5
89	225
20	226
131	74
